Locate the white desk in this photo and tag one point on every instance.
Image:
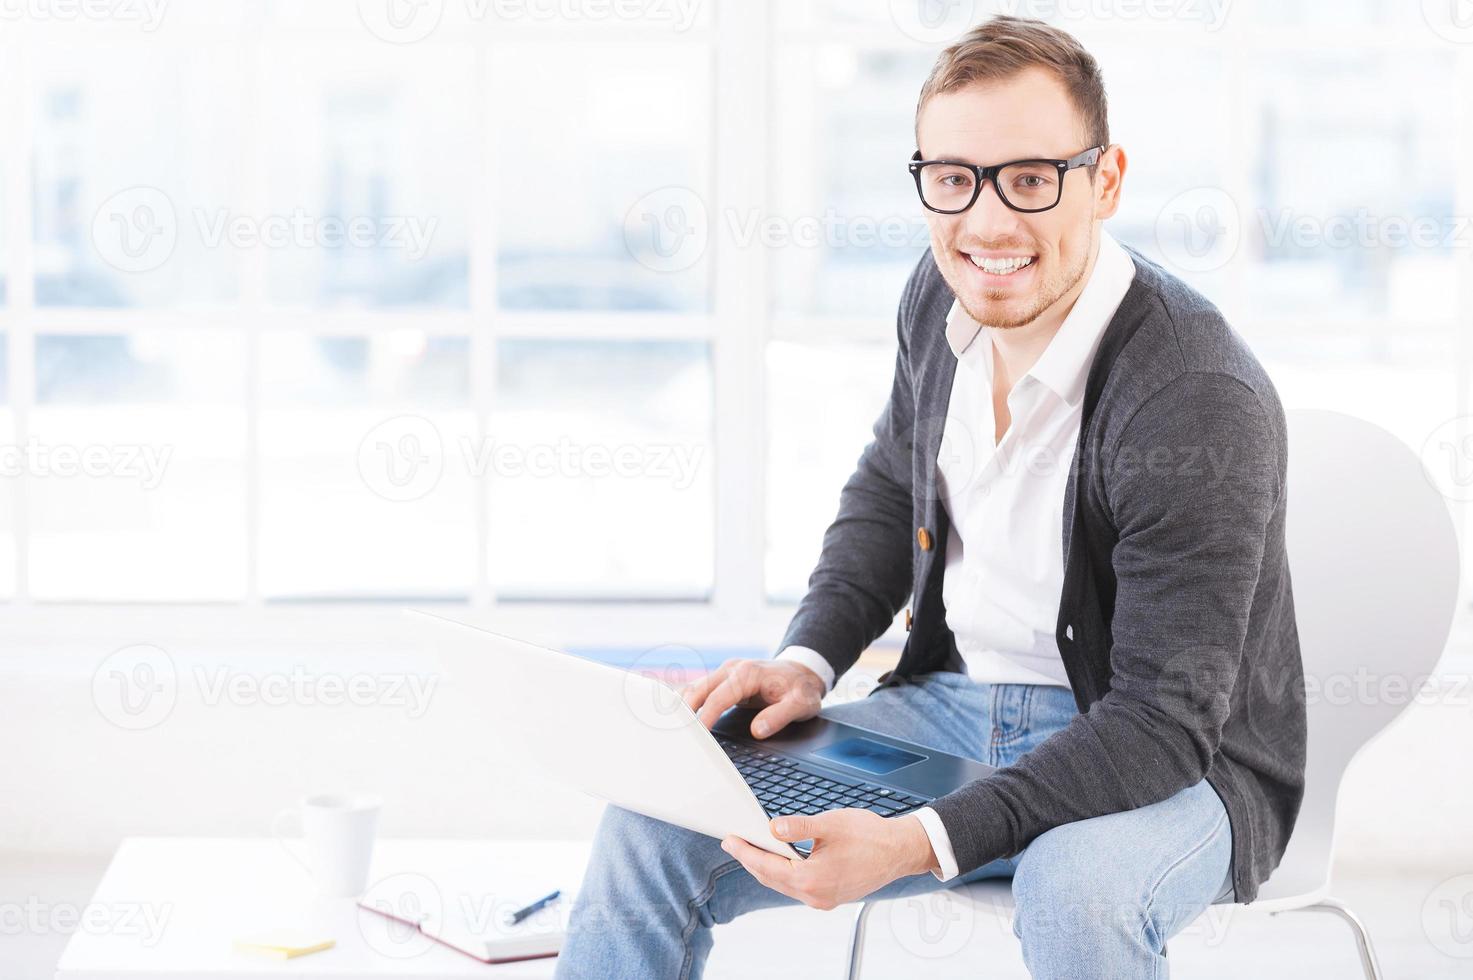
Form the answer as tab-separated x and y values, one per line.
172	908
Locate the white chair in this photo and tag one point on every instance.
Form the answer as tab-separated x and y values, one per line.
1374	562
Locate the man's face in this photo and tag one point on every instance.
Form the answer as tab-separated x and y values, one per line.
1027	116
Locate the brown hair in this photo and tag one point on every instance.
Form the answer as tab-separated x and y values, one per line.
1003	46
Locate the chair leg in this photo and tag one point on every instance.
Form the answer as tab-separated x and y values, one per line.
1368	961
856	941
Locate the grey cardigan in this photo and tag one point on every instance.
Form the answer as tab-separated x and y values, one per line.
1176	622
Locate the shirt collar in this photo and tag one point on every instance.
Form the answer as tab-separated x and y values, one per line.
1063	367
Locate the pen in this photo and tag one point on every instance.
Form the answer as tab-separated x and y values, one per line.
541	903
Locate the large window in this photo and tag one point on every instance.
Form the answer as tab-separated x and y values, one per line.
590	307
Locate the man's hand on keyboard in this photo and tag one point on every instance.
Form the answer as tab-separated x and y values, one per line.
855	853
790	691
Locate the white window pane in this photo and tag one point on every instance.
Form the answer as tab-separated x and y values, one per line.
136	159
822	401
362	494
602	176
600	461
1314	16
1172	171
1352	160
136	465
852	222
9	478
371	163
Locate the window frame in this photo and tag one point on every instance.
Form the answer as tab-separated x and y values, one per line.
737	327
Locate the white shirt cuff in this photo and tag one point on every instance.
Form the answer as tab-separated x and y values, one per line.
940	842
814	661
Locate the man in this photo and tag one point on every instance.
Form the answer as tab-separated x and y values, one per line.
1079	478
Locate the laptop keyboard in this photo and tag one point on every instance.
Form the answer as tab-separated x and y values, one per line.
785	786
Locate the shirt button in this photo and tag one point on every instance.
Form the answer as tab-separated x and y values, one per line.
923	538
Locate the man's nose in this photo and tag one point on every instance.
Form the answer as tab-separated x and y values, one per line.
988	218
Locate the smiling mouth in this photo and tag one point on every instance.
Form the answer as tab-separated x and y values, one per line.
1001	267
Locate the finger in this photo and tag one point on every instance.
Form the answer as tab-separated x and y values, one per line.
739	685
775	717
766	867
796	827
696	692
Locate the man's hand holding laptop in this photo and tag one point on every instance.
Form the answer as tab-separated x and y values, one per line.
855	852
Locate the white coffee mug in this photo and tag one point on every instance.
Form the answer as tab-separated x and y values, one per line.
337	836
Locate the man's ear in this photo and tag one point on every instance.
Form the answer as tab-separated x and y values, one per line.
1110	177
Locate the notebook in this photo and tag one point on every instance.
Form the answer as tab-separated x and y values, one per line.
472	922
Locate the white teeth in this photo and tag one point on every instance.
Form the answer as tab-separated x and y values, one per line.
1001	267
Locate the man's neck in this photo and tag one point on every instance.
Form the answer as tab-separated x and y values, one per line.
1017	349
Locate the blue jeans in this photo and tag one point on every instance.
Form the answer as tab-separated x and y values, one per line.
1097	897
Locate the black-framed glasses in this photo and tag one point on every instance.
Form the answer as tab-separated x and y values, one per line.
1029	186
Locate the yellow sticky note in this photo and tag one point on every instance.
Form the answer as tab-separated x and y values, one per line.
283	946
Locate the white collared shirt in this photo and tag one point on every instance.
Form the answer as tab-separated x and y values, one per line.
1005	551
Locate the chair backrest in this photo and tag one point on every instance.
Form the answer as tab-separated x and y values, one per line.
1373	556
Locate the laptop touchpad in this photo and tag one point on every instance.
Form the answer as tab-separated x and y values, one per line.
867	755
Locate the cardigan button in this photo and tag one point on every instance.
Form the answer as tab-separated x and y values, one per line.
923	538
